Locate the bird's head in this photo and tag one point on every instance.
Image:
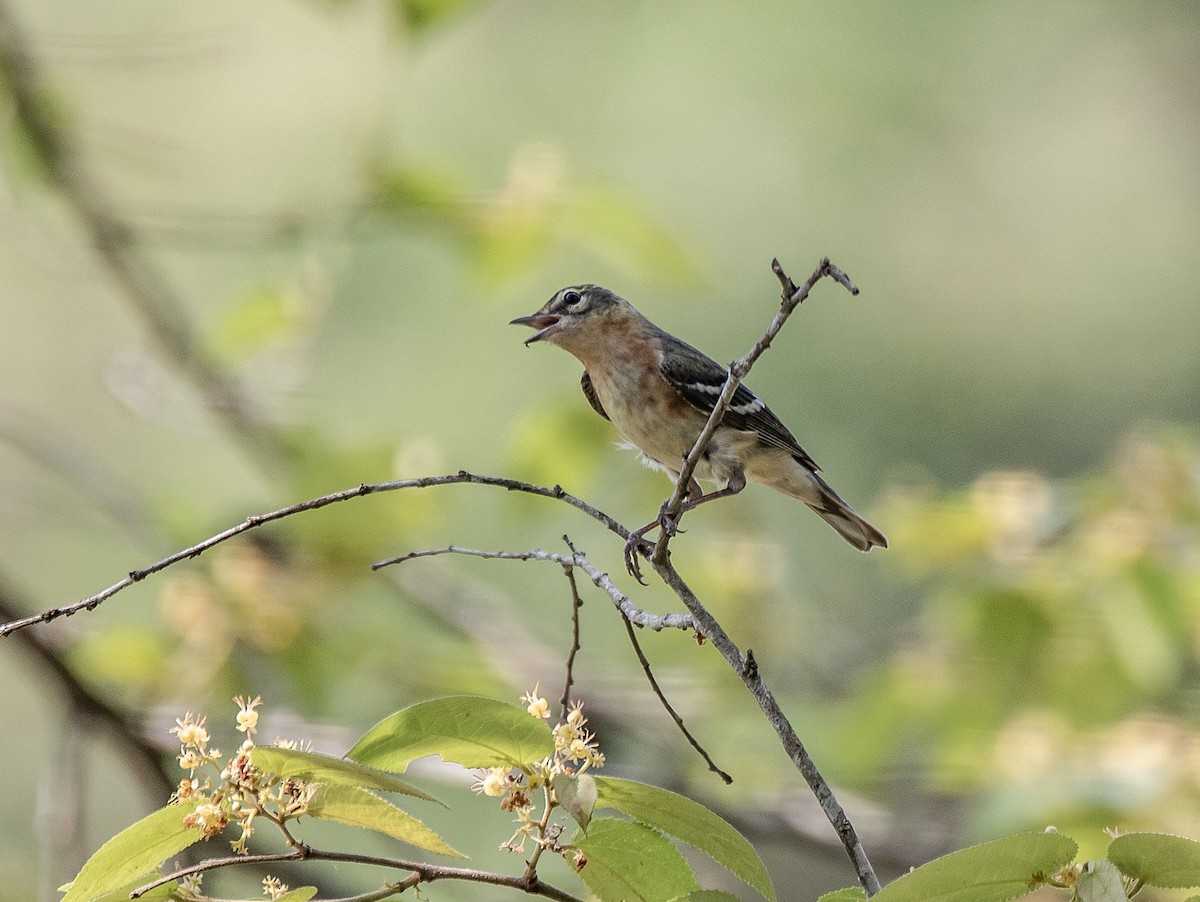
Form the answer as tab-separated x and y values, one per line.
574	316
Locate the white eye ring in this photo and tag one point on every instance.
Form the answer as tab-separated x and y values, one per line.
571	298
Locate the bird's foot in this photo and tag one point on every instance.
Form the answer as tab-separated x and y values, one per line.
636	545
668	521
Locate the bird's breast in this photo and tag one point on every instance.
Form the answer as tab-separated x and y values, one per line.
648	412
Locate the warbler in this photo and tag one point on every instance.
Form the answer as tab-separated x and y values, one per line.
659	392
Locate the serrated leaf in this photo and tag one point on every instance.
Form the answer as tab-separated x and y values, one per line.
628	862
708	895
1159	859
1100	882
315	768
361	808
994	871
134	852
848	894
689	821
577	794
300	894
473	732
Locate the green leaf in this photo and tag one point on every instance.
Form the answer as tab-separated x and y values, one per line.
359	808
1100	882
300	894
314	768
992	872
708	895
848	894
473	732
121	894
1159	859
134	852
689	821
577	794
627	862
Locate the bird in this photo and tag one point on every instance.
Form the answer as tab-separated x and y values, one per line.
658	391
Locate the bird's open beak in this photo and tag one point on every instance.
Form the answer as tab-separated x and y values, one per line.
543	322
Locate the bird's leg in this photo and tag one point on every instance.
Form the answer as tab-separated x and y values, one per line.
670	522
637	543
692	501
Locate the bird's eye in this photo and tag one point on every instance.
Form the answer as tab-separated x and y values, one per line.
571	298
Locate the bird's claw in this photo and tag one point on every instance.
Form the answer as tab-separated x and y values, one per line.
636	544
669	523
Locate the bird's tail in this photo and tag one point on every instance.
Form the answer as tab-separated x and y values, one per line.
803	484
849	525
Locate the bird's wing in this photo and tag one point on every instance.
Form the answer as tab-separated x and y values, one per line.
589	392
699	380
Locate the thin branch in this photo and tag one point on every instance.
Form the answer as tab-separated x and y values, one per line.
598	577
384	892
637	649
462	476
746	668
576	604
793	297
422	871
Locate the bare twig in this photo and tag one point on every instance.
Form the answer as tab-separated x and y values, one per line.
423	872
599	578
744	665
384	892
94	601
576	604
738	370
637	649
747	669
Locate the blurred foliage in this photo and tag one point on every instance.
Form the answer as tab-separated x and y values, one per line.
535	213
424	13
1054	672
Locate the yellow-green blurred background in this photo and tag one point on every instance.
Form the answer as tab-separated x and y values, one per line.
345	203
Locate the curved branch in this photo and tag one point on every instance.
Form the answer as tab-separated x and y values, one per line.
422	871
670	709
462	476
576	603
598	577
